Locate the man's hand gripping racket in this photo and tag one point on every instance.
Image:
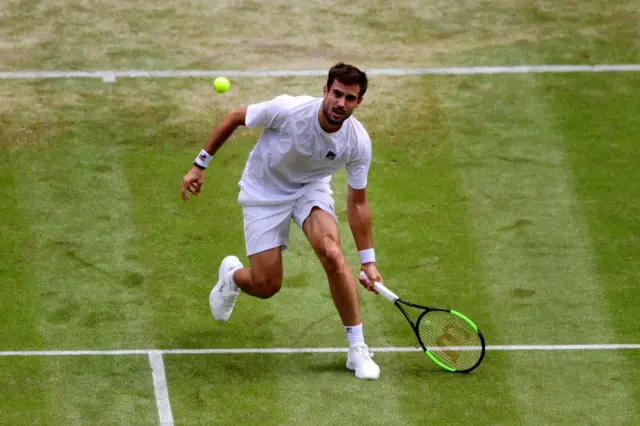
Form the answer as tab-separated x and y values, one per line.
449	338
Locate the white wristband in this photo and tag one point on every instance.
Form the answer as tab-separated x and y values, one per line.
203	159
367	256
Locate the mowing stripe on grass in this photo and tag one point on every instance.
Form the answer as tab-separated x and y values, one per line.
531	234
160	388
601	130
110	76
18	313
83	266
307	350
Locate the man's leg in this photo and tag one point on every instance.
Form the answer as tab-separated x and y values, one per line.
322	232
321	229
266	230
264	278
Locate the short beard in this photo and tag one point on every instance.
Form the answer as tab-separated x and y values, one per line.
328	117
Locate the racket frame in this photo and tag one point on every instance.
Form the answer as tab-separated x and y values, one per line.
398	302
414	326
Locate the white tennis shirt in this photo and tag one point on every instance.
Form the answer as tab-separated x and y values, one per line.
293	150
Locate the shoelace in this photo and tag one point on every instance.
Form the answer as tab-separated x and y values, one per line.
229	297
365	352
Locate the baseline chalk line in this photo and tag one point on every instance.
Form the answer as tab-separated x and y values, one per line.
110	76
157	352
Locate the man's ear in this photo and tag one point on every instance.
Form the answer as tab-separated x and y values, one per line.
325	90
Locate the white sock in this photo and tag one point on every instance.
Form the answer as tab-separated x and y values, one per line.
354	335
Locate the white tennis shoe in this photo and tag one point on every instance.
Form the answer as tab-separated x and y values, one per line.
359	360
224	294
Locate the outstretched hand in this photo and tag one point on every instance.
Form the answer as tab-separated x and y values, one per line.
371	275
192	182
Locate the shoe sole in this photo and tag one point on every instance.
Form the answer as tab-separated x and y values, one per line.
352	368
211	304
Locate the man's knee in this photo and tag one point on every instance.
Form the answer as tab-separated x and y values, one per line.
266	285
266	273
331	256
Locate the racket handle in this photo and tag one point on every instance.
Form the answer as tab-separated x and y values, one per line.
381	289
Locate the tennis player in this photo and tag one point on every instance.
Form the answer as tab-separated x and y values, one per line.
304	141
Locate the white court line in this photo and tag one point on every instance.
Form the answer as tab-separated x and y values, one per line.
308	350
160	379
110	76
79	352
160	388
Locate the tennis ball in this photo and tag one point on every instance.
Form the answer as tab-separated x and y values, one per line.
221	84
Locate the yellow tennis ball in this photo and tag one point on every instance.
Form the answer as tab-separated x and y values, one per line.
221	84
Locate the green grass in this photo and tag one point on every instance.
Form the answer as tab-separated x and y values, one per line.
482	201
530	231
76	391
312	388
249	34
511	198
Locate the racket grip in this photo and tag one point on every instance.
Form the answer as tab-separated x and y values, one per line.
381	289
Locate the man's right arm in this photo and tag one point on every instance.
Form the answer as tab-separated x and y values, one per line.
193	180
270	114
265	114
234	119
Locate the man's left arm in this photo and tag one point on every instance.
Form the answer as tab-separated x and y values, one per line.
359	215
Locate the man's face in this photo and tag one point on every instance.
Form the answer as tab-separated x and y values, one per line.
340	101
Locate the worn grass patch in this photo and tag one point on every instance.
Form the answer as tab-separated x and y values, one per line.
247	34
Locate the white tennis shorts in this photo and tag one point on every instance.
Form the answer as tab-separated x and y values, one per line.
267	224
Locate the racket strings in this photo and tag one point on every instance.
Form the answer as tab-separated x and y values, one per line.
450	339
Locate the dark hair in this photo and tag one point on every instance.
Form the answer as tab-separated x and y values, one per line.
347	74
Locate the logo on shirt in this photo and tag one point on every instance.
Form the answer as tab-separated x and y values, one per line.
331	155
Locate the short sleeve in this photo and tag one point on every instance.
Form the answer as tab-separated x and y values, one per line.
358	166
270	114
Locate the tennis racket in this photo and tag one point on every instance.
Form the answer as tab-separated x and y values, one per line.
449	338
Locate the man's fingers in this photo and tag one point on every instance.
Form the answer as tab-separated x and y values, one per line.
192	185
183	190
366	282
193	190
364	279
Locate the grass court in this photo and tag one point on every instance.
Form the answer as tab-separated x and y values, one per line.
512	198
